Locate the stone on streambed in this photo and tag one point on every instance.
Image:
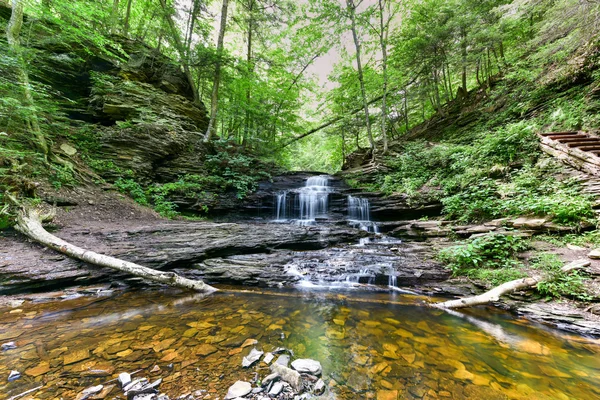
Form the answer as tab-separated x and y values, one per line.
268	358
9	346
251	358
124	379
276	389
288	375
283	359
319	388
238	389
14	375
89	392
269	378
307	366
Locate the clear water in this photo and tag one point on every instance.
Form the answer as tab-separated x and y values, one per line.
371	345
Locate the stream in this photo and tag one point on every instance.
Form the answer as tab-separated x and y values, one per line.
367	342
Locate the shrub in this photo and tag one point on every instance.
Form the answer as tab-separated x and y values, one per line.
558	283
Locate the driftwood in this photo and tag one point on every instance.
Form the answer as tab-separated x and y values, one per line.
491	295
29	222
505	288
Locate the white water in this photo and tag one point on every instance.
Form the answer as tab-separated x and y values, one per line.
359	213
304	205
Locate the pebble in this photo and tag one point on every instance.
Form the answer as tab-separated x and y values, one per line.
9	346
14	375
124	379
319	387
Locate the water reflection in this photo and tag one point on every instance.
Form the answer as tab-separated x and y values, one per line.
371	345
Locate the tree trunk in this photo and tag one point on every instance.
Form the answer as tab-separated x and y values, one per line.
463	48
250	70
352	13
214	99
491	295
29	223
114	16
383	43
13	32
127	16
179	46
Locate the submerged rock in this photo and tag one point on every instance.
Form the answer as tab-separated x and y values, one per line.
89	392
9	346
238	389
124	379
283	359
14	375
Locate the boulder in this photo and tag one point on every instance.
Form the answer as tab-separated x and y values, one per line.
307	366
238	389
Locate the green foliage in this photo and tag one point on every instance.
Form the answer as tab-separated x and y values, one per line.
489	251
62	176
490	258
133	189
558	283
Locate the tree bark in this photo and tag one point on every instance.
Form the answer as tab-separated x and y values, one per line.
489	296
29	223
214	99
352	13
179	46
127	16
383	42
13	32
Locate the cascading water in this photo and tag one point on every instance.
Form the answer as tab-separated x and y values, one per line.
314	199
359	214
304	205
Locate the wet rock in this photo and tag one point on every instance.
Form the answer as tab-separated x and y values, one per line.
307	366
14	375
76	356
104	393
124	379
319	387
251	358
288	375
205	349
9	346
268	358
38	370
358	382
594	254
87	393
276	389
269	378
283	359
135	385
249	342
238	389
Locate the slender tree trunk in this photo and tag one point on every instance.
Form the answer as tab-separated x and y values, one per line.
352	13
463	49
250	67
179	46
127	16
13	32
383	43
406	109
114	16
214	99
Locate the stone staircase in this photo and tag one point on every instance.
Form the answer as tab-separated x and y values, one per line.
580	151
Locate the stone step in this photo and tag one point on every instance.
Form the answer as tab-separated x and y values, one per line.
575	138
559	133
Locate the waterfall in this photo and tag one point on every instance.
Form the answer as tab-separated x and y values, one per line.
359	214
281	207
305	204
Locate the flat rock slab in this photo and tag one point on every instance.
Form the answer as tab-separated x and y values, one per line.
307	366
238	389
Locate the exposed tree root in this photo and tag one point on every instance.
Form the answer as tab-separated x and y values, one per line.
29	222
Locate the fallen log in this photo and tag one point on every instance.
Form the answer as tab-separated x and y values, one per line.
508	287
29	223
489	296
